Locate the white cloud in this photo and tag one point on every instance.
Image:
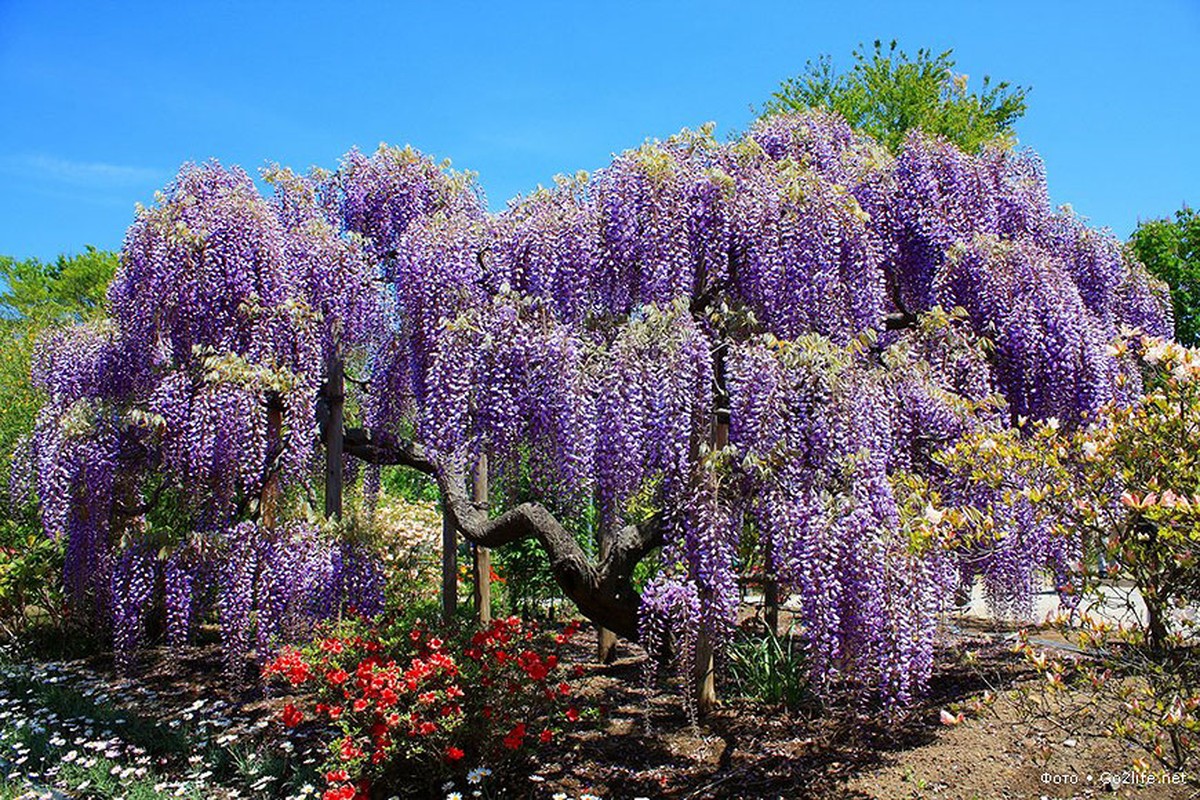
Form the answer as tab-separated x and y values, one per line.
78	173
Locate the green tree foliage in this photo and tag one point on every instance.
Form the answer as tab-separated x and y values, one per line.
886	94
71	289
1170	249
35	296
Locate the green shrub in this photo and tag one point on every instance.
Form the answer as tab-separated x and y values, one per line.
771	669
1126	484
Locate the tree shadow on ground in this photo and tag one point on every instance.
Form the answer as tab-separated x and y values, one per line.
646	746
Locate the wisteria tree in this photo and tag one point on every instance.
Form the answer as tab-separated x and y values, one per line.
703	351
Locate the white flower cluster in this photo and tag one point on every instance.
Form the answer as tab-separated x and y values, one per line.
65	728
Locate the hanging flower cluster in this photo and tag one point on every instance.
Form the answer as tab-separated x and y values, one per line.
202	389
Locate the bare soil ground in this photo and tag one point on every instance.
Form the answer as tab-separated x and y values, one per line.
743	750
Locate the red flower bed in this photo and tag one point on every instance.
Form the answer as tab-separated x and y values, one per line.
402	704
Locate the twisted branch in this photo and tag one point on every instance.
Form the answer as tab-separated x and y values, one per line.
602	591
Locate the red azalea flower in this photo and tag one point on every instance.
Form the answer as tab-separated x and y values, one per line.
292	716
336	676
573	714
361	704
534	667
349	750
514	738
454	754
545	736
336	776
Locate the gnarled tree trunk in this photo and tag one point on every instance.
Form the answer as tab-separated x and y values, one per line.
601	590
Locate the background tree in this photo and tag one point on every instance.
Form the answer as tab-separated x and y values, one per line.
70	289
886	94
1170	249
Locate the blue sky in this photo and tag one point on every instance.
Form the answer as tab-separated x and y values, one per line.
102	102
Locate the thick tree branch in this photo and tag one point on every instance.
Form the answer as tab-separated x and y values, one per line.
901	318
602	592
359	443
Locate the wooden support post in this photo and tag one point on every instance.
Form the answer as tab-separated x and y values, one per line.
449	567
606	646
483	556
704	675
771	604
335	395
771	596
268	503
606	640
